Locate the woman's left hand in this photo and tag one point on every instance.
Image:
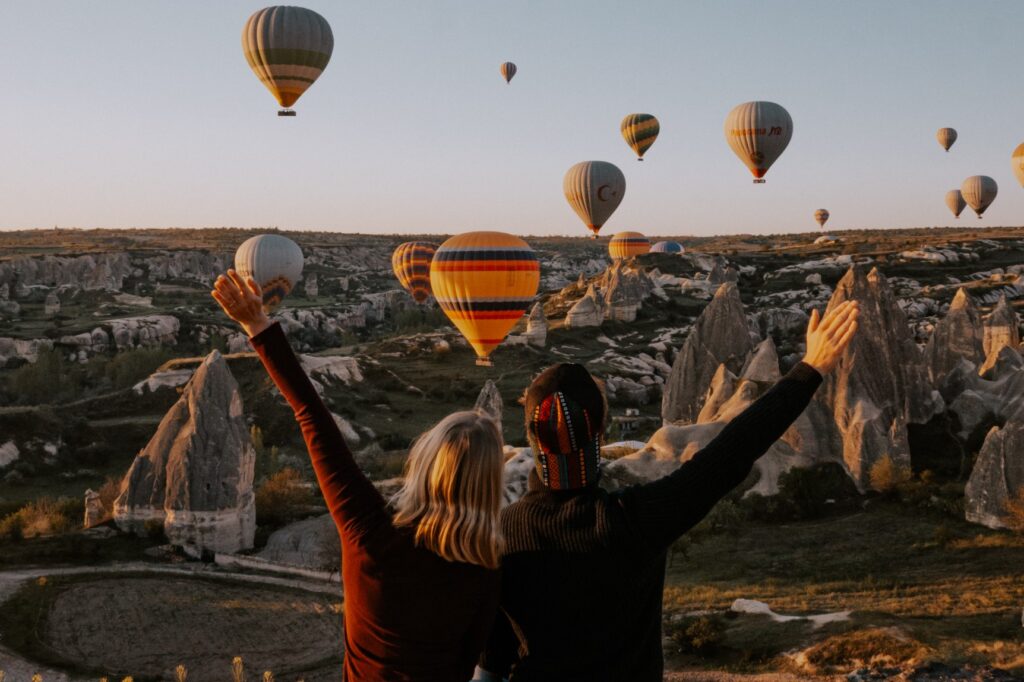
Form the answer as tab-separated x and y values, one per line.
242	300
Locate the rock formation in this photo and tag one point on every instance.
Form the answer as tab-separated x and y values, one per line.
195	475
312	286
95	512
719	336
537	326
311	543
880	384
998	474
958	335
1000	328
586	312
489	401
51	306
625	291
144	332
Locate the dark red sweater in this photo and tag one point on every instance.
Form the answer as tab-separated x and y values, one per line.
410	616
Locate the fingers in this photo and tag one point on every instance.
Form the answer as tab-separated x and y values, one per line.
838	315
243	288
812	326
254	287
847	336
226	287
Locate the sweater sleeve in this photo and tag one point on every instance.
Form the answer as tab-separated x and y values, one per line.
355	504
501	649
486	619
666	508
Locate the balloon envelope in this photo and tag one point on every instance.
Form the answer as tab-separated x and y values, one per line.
484	282
275	262
821	215
955	202
946	137
287	48
508	69
594	189
1018	163
627	245
667	247
411	265
979	191
640	131
758	133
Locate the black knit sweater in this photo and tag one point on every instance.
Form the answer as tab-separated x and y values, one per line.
584	570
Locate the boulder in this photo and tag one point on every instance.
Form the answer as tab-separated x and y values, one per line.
51	306
1000	329
312	286
537	326
586	312
312	543
489	401
880	384
998	474
195	475
719	336
957	336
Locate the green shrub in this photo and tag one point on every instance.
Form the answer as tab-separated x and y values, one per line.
130	367
701	635
46	380
804	494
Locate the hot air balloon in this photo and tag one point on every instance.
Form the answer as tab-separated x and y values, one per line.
955	202
640	131
1018	163
667	247
628	244
275	262
758	133
594	189
821	215
484	282
288	48
411	265
946	137
508	70
979	191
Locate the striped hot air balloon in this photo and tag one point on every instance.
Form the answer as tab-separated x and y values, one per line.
667	247
821	216
758	133
1017	159
979	191
594	189
955	202
484	282
508	70
275	262
628	244
946	137
411	265
640	131
288	48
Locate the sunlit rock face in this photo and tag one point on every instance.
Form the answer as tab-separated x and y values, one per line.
490	403
1001	329
587	312
957	336
879	385
537	327
998	474
195	475
719	336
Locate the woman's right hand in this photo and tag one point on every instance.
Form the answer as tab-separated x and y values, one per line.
242	300
828	337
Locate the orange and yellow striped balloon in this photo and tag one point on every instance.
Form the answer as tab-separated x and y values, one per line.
411	264
640	131
627	245
484	282
288	48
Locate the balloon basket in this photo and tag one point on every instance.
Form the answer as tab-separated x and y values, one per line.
484	362
286	112
639	158
758	181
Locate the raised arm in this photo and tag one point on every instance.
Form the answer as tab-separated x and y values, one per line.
355	504
665	509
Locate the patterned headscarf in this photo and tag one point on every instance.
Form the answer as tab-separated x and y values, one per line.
568	443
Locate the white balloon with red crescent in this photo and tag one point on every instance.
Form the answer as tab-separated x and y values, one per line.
594	189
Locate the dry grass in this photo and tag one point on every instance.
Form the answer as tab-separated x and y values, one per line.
886	476
1015	511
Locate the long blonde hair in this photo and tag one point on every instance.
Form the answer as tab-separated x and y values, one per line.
453	489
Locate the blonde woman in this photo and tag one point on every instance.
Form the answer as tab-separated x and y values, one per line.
421	577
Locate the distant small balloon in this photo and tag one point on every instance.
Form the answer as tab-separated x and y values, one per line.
508	70
821	215
640	131
411	264
955	202
758	133
275	262
946	137
667	247
594	189
1018	163
979	191
627	245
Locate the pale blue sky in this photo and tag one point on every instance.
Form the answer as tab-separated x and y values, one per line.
139	113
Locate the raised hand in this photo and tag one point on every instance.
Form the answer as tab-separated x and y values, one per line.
828	337
242	300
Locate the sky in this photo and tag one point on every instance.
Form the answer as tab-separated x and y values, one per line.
129	113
